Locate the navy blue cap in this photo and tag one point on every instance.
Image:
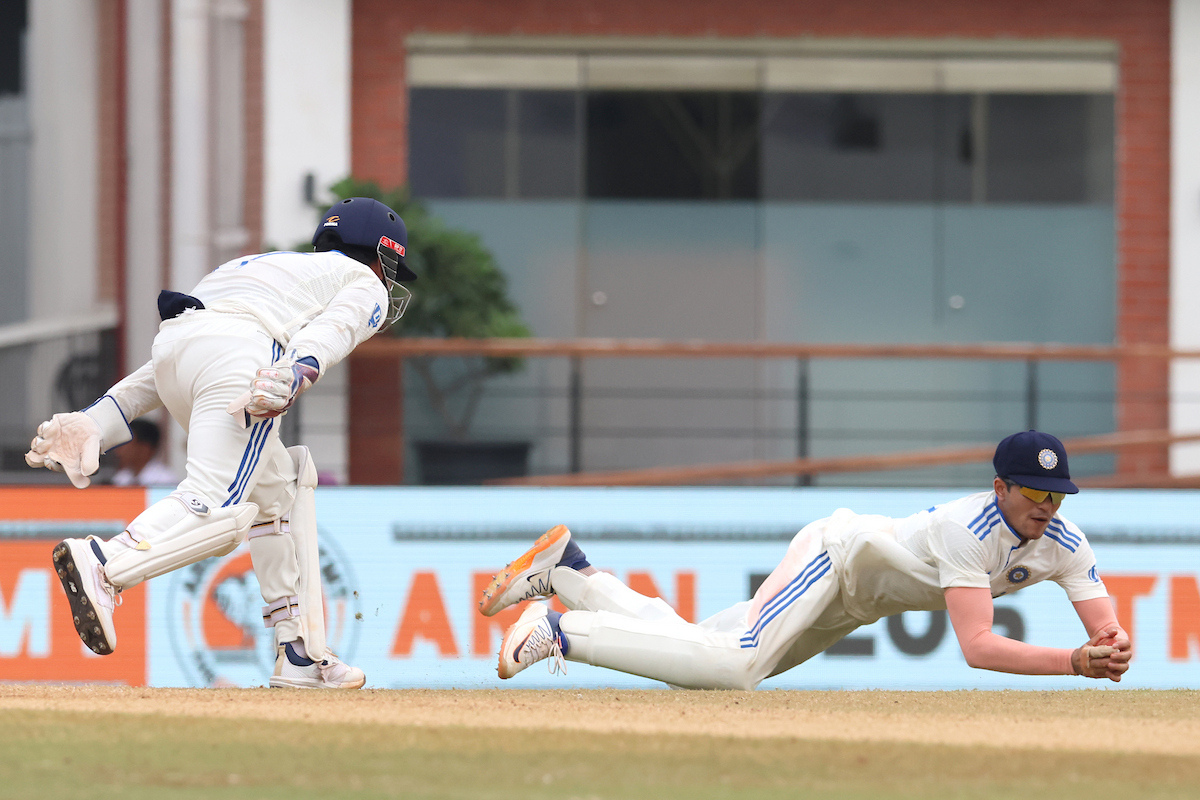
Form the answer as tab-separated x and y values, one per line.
1036	460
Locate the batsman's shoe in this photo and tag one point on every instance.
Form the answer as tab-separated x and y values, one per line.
529	575
295	671
534	636
92	598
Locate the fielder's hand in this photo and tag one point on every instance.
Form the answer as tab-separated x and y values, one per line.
67	443
1109	660
275	388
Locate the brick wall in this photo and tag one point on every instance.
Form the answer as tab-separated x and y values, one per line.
1141	27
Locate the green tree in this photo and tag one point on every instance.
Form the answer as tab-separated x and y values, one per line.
459	292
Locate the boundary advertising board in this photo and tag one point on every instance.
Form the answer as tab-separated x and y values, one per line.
403	569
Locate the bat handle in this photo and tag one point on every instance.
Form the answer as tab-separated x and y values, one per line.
237	409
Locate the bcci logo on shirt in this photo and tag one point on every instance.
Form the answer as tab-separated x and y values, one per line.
214	619
1018	575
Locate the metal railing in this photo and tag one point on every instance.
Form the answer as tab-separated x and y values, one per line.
1031	392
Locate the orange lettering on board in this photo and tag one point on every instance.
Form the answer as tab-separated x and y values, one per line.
27	564
117	503
1185	615
425	618
1124	589
685	591
67	660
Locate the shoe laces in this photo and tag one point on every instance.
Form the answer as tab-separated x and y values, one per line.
114	595
330	663
557	663
543	643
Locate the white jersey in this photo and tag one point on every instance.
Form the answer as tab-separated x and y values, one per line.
893	565
313	304
318	304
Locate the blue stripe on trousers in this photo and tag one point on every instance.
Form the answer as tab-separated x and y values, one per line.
258	439
253	449
798	586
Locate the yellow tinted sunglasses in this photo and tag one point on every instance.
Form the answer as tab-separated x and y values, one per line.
1040	495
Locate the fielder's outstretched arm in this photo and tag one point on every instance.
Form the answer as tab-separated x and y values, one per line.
1106	655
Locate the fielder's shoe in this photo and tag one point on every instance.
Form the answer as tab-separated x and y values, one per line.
295	671
534	636
529	575
80	567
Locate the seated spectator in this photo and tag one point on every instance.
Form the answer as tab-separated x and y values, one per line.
139	462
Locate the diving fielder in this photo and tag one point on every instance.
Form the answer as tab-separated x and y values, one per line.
228	360
839	573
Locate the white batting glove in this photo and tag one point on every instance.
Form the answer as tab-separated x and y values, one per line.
275	388
67	443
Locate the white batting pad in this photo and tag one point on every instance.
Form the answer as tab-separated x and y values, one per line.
273	553
176	531
287	561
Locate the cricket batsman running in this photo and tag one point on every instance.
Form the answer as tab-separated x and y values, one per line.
839	573
228	360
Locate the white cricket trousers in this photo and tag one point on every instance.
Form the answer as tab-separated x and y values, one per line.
794	615
203	360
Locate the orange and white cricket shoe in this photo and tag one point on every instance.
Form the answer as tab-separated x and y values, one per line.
529	575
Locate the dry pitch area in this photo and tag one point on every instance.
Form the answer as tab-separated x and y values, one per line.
259	743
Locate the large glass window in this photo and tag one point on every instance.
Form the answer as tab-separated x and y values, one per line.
1048	148
548	131
727	145
781	214
456	143
673	145
494	143
12	46
866	147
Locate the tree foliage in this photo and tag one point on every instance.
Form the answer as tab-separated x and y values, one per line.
459	292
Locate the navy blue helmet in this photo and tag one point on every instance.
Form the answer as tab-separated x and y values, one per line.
367	227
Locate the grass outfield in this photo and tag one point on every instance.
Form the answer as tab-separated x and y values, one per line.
100	742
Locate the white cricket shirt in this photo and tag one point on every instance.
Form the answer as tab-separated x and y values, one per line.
892	565
317	304
314	304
